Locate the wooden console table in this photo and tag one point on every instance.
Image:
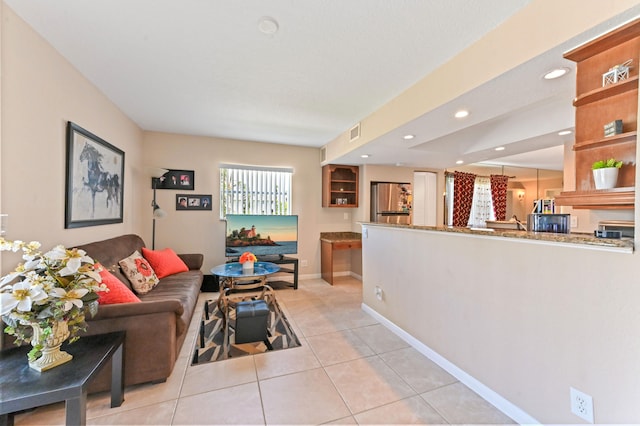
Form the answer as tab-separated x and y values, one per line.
330	241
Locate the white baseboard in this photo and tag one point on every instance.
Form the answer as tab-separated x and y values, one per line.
485	392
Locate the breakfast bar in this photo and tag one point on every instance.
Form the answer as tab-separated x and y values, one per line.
498	309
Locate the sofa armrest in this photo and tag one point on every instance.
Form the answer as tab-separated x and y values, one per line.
193	260
135	309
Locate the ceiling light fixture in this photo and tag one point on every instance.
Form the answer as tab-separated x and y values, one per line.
461	114
268	25
408	137
365	156
564	132
459	162
555	73
500	148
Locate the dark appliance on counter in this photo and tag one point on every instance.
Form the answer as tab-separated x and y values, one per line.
391	202
626	228
556	223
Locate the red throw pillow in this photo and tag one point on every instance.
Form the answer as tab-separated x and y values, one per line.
164	262
118	292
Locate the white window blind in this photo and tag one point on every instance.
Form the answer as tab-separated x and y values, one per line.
255	190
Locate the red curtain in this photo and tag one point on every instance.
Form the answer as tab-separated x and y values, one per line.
462	197
499	195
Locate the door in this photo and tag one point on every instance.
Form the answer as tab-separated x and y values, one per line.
424	198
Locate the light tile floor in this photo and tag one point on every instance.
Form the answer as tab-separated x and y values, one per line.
349	370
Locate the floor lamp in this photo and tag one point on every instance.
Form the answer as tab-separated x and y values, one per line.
158	213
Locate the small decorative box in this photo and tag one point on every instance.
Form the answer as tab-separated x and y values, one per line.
613	128
616	73
609	77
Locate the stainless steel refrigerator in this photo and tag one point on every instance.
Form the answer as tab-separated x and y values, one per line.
391	202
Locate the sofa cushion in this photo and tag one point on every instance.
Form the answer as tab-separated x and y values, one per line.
140	274
110	252
117	291
164	262
183	287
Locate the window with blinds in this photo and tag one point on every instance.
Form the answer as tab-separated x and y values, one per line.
255	190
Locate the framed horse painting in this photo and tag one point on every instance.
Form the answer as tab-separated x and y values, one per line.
95	180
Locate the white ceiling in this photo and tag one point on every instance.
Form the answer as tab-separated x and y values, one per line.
204	68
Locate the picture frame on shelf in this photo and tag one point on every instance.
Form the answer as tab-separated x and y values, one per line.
193	202
183	180
94	187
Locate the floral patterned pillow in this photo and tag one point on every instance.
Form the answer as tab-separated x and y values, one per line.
139	272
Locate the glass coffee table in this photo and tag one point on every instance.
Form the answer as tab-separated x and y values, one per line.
233	279
233	276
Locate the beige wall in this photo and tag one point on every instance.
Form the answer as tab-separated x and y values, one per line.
41	91
526	319
203	231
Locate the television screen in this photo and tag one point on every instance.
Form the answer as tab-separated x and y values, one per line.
263	235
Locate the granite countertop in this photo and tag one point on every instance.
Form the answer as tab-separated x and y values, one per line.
573	238
339	237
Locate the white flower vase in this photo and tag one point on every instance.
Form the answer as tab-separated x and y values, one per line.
247	267
51	356
605	178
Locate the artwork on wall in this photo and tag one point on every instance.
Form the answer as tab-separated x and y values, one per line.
193	202
95	180
175	179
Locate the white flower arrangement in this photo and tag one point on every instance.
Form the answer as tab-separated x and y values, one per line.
59	285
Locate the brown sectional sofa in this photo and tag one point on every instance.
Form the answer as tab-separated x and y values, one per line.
156	328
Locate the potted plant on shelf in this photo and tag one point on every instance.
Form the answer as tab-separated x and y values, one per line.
605	173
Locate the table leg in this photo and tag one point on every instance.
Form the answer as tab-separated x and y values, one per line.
76	410
117	377
6	419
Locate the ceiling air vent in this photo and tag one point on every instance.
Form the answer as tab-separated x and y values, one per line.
323	154
354	132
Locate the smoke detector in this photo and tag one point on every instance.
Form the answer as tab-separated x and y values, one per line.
268	26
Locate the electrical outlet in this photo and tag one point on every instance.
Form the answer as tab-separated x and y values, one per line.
378	292
574	221
346	216
581	405
304	263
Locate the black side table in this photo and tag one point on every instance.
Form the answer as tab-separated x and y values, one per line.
23	388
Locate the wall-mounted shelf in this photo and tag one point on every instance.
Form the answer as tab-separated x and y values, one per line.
596	106
340	186
607	91
609	140
612	199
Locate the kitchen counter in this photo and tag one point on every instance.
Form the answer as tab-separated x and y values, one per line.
332	241
578	239
340	237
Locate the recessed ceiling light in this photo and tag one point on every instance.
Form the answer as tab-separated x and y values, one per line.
365	156
459	162
500	148
461	114
399	164
564	133
268	26
558	72
408	137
